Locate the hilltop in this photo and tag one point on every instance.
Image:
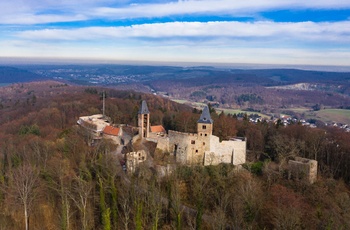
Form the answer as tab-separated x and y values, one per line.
270	92
14	75
40	139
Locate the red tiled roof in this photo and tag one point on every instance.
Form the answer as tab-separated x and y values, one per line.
110	130
157	129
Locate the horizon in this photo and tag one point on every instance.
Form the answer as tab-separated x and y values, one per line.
220	32
6	61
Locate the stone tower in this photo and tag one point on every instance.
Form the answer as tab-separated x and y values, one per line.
143	120
204	130
205	124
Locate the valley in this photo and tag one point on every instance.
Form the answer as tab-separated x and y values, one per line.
267	92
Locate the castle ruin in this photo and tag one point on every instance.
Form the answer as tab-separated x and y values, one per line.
303	169
201	148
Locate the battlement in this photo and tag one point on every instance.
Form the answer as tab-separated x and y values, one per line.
238	139
172	132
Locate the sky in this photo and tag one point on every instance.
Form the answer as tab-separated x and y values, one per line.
292	32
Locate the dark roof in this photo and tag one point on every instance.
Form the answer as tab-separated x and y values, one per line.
144	108
205	117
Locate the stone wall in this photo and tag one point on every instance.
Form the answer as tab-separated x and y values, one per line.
133	159
230	152
116	139
135	138
162	142
303	168
193	148
239	152
180	145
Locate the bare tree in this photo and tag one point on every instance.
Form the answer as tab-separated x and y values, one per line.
285	148
82	193
24	184
62	176
126	205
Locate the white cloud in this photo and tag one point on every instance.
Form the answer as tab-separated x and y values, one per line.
271	31
214	7
29	19
37	10
46	11
179	53
230	41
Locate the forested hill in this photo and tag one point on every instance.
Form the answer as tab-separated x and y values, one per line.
19	100
291	76
70	185
108	74
277	88
13	75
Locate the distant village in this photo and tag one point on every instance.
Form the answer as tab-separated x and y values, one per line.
286	120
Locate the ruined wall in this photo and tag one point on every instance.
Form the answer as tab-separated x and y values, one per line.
191	148
230	152
135	138
116	140
239	152
133	159
186	147
303	168
162	142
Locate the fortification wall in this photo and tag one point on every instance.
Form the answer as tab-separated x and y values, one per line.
230	152
135	138
303	168
178	134
239	152
163	143
116	139
183	145
133	159
190	148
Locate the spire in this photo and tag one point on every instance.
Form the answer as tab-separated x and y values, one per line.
205	117
144	108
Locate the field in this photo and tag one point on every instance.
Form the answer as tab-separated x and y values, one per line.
334	115
325	115
197	105
236	111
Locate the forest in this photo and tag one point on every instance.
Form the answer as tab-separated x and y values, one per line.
51	179
267	90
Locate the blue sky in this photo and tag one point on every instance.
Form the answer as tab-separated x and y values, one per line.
291	32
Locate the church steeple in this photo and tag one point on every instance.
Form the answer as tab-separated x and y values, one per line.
143	120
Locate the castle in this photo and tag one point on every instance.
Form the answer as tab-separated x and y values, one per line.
201	148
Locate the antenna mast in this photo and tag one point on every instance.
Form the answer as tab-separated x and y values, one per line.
103	108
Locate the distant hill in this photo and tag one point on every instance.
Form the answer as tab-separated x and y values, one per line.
296	75
228	87
190	76
13	75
